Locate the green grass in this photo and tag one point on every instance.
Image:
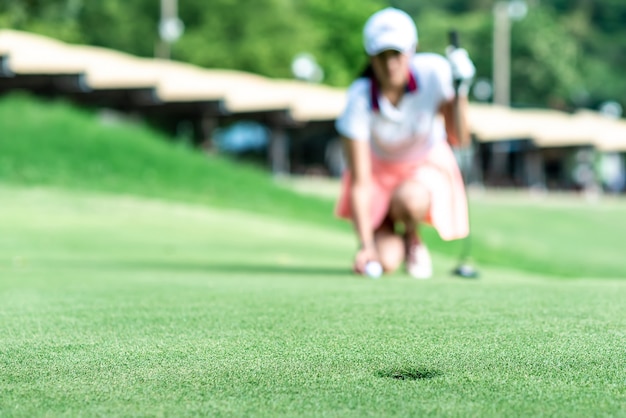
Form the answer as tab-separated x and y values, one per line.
140	278
51	143
126	306
561	236
558	236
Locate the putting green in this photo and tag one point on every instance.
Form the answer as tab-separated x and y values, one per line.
121	306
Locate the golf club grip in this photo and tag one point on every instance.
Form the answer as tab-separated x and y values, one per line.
453	38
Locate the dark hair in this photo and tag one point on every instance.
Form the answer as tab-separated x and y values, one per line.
368	71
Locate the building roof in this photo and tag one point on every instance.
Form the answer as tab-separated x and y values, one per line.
242	92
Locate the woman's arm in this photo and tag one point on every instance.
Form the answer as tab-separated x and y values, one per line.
359	165
455	110
455	117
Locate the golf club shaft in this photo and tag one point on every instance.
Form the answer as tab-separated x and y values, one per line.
454	42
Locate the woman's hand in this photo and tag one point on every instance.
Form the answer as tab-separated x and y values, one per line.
363	256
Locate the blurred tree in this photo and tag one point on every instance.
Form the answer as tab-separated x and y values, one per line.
604	46
545	62
260	36
568	51
130	26
598	28
339	33
54	18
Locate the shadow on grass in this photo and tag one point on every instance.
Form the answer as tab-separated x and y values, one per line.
209	267
277	269
409	373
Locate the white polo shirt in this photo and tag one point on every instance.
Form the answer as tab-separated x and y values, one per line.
406	131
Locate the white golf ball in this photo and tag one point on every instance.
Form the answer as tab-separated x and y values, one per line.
373	269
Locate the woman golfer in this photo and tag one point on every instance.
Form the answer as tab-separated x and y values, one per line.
401	171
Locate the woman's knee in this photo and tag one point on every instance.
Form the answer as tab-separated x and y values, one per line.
411	199
390	248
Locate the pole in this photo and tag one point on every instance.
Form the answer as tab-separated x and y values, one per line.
169	14
501	54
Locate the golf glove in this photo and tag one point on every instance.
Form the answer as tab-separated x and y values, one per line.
463	69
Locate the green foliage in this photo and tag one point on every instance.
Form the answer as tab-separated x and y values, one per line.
260	36
339	27
546	61
564	53
54	18
598	30
129	26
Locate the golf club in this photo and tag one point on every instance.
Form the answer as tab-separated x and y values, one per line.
464	268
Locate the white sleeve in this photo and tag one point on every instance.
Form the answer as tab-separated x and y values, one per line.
354	122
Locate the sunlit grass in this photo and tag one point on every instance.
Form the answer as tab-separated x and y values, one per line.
122	306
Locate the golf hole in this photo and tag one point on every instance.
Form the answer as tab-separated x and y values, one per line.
410	374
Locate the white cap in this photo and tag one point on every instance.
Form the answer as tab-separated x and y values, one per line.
389	28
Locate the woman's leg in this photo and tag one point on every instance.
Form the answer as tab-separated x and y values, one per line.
409	205
389	245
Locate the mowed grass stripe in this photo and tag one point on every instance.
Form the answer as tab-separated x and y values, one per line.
133	307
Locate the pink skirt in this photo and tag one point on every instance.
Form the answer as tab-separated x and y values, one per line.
437	171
